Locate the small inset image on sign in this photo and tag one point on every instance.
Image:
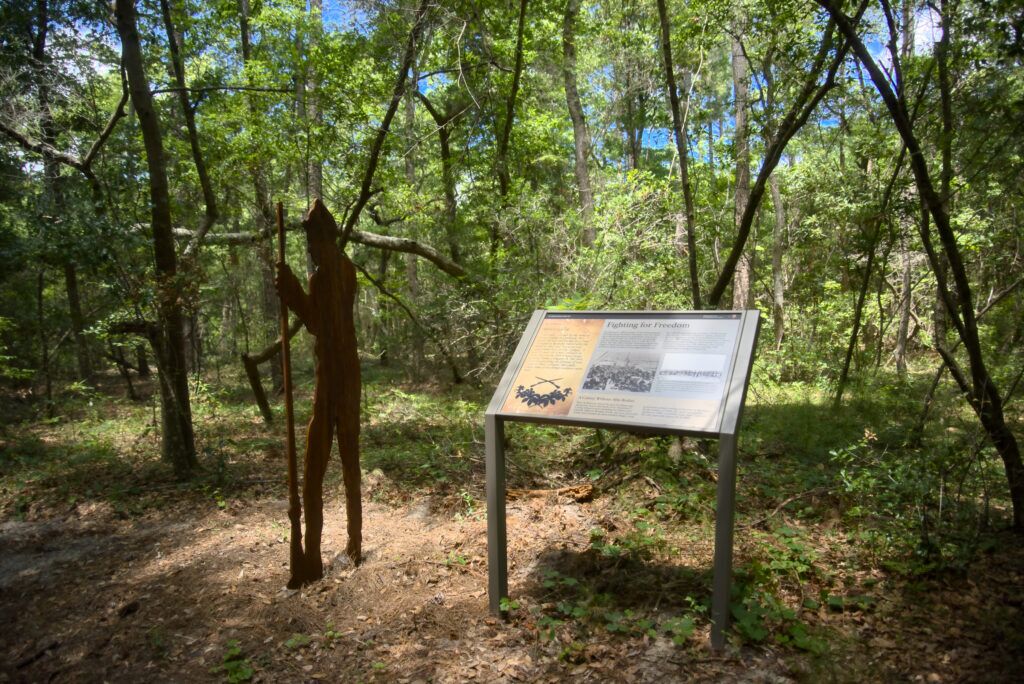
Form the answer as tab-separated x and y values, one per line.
622	371
692	375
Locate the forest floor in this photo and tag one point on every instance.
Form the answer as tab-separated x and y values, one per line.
110	570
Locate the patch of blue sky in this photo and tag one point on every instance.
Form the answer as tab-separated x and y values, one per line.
927	31
655	138
345	16
428	84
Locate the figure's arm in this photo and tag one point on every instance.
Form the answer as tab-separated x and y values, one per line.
293	296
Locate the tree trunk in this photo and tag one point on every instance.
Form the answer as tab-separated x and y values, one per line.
117	355
178	441
77	322
858	311
264	216
188	112
505	133
54	204
979	388
411	265
314	166
778	275
451	207
905	303
44	343
444	120
581	138
686	232
742	294
803	105
141	361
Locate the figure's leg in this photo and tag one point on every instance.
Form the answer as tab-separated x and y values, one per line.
348	448
318	450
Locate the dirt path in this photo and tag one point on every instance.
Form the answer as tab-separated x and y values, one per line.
187	597
91	598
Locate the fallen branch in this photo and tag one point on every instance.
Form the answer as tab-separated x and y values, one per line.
579	493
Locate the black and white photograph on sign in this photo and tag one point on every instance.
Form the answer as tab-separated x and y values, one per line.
622	372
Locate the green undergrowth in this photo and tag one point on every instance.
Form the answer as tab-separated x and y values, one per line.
833	505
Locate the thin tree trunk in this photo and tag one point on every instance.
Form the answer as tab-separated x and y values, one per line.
316	167
411	265
686	232
264	216
980	388
905	303
84	358
51	174
178	441
778	275
505	134
450	204
178	70
742	293
444	122
251	363
142	362
581	138
814	88
384	260
117	355
857	313
44	343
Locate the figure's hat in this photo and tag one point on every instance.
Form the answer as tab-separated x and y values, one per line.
319	223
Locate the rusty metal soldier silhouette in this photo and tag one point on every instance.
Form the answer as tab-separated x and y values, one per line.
327	313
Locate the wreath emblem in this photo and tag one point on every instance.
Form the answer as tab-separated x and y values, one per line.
531	397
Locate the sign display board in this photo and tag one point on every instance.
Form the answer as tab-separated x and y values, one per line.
664	371
681	372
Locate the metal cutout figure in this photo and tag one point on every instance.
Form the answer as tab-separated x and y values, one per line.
327	312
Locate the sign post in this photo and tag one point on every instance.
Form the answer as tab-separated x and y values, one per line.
671	373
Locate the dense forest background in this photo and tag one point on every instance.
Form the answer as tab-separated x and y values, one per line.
851	169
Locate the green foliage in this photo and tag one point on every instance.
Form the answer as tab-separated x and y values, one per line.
904	491
234	666
297	641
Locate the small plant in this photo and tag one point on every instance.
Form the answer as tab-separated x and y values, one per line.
297	641
456	559
331	634
600	543
507	605
234	665
678	628
469	508
157	640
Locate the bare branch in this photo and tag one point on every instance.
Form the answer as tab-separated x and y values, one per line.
399	244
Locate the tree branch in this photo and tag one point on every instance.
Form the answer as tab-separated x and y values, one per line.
400	244
209	200
806	102
378	142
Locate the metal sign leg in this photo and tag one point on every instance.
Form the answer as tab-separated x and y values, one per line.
497	538
724	517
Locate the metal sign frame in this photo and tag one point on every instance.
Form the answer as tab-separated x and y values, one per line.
731	412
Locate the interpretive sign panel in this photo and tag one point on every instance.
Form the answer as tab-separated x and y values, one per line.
665	371
683	372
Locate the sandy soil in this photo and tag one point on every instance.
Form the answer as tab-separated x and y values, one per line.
90	597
